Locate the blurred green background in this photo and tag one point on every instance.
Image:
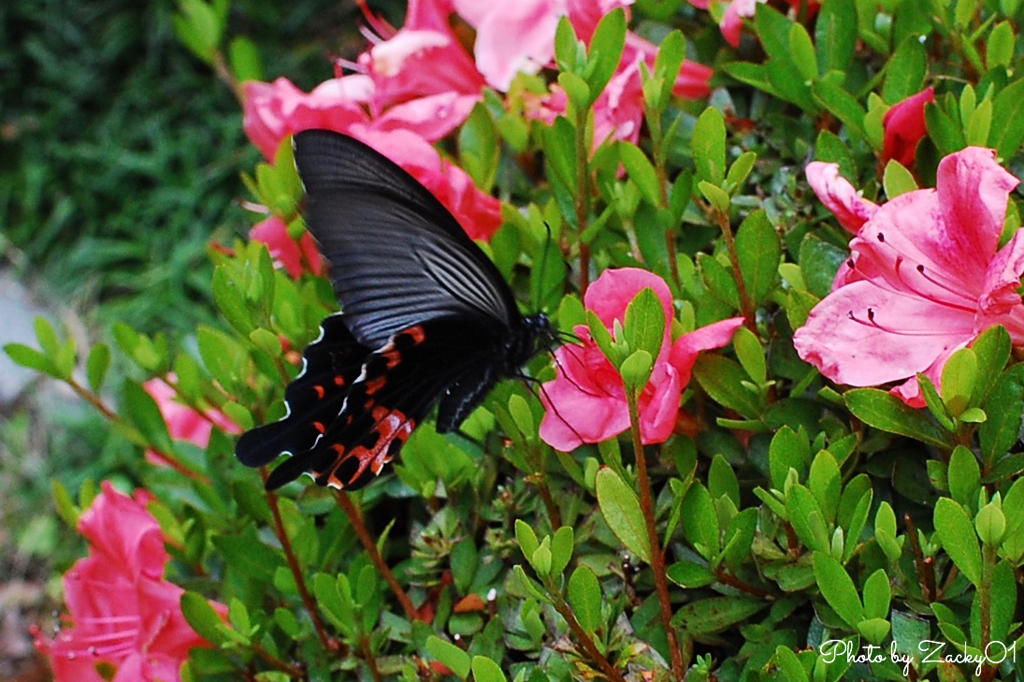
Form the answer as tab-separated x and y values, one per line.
121	158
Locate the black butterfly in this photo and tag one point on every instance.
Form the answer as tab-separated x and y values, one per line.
426	319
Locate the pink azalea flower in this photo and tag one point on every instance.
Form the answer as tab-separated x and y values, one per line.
403	133
296	257
736	10
586	403
925	278
273	111
125	618
183	422
904	127
618	111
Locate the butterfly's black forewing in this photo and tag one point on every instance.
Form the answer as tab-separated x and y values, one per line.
397	256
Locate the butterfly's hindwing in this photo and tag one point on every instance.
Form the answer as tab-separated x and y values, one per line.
396	387
313	399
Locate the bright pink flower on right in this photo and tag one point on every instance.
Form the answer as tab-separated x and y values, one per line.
904	127
925	278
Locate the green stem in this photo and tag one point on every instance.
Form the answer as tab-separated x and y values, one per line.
582	197
584	639
356	519
988	565
746	305
657	555
293	565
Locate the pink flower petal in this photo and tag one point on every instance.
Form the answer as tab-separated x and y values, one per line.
688	346
905	126
125	533
839	196
973	191
905	336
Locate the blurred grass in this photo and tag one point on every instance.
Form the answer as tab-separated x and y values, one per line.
122	152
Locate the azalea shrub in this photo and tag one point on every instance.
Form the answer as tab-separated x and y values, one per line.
780	441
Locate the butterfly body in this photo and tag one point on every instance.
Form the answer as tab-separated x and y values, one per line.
426	320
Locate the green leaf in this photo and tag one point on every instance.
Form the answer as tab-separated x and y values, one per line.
636	370
456	659
788	450
885	411
722	480
584	592
835	34
64	505
244	57
700	521
708	145
567	47
739	171
825	482
806	517
606	50
838	589
715	614
30	358
723	380
964	475
750	354
990	523
143	413
993	350
801	51
561	549
1000	46
784	658
641	171
877	595
905	72
958	378
203	619
719	280
479	150
885	532
897	180
621	510
526	538
956	532
1007	133
1004	408
690	574
759	251
819	261
645	323
96	366
486	670
945	131
840	103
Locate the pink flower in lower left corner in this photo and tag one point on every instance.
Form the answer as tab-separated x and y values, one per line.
126	623
925	278
586	403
